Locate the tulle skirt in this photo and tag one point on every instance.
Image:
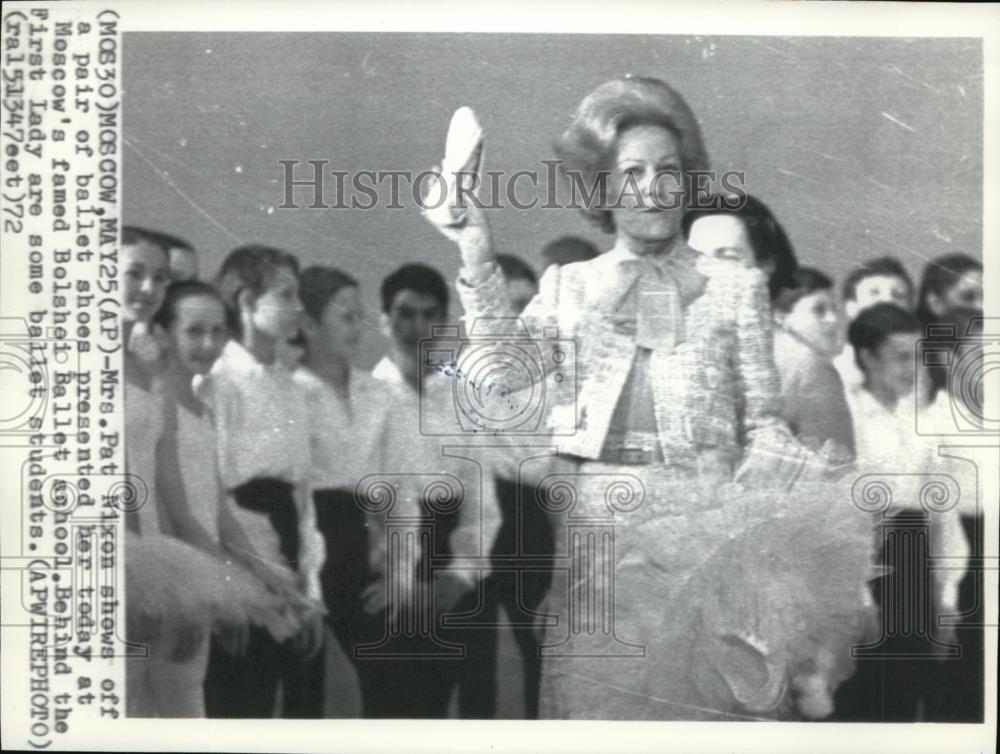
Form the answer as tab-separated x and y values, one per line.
175	596
169	582
677	598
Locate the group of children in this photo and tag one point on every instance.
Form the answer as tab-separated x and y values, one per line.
886	407
291	492
298	478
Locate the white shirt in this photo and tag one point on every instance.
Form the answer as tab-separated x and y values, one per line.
346	437
889	446
423	439
881	436
262	420
850	372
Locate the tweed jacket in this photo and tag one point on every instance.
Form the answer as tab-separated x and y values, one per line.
714	385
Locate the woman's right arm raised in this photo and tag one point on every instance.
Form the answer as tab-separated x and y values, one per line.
453	209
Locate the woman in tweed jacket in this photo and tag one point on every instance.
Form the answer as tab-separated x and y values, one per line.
674	373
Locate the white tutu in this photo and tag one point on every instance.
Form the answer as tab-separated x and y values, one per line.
732	602
169	582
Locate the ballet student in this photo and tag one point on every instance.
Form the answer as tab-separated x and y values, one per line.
183	257
263	450
191	324
145	276
176	590
883	338
950	308
464	520
876	281
161	632
350	409
807	323
949	298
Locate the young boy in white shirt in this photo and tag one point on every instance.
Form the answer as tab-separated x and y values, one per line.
877	281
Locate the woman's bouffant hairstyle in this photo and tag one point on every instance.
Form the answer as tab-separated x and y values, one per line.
317	285
250	268
587	147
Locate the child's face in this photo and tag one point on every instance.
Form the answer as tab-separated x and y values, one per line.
879	289
277	310
411	318
892	364
339	328
197	335
816	319
146	279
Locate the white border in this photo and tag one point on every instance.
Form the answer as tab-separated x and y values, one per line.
744	18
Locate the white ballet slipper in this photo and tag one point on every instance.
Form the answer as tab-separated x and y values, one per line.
460	167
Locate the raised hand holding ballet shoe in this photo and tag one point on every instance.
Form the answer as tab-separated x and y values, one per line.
450	204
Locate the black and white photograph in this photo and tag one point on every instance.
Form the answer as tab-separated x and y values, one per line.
485	372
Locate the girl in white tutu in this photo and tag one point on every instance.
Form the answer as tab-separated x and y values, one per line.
192	323
676	595
162	626
180	581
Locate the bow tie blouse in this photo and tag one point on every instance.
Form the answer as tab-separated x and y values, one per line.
671	354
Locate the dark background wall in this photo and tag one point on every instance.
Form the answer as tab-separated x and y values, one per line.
862	146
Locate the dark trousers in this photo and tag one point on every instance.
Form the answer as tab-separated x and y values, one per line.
519	582
957	694
401	673
393	679
415	676
934	688
247	686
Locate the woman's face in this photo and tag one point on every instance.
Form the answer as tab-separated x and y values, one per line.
197	335
146	277
722	236
816	319
339	328
646	189
276	312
